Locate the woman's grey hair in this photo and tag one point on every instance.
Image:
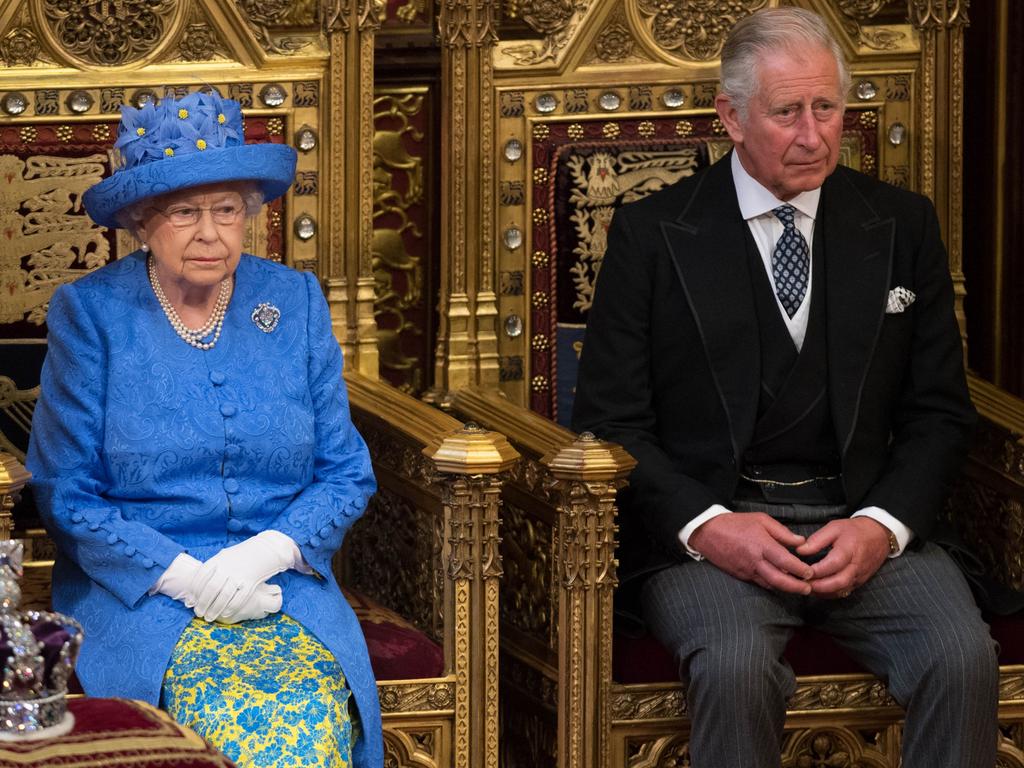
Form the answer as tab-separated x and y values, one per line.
766	32
132	215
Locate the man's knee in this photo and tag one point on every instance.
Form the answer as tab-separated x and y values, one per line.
952	662
745	667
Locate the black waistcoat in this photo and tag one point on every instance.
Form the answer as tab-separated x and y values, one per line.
794	424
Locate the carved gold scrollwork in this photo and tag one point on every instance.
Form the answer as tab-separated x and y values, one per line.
416	697
832	747
555	20
263	15
394	530
927	14
526	587
658	752
861	9
371	12
109	32
693	30
468	23
667	703
397	200
199	43
410	748
20	47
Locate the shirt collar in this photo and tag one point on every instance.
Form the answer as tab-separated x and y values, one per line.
755	199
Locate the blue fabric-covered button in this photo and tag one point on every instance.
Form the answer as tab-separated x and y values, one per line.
77	517
94	526
232	450
325	532
231	485
228	410
235	525
112	538
147	562
314	541
130	550
217	377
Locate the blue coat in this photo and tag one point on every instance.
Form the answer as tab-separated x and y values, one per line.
144	447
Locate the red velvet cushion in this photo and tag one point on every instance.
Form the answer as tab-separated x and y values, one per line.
644	660
398	650
113	733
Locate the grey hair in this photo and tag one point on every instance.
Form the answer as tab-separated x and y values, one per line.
132	215
769	31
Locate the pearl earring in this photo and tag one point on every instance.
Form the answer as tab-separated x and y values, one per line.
145	248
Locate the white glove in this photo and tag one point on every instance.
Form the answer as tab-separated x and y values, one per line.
176	583
224	584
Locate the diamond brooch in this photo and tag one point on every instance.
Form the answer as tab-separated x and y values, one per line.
266	316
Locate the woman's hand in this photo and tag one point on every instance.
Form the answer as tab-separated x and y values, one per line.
225	584
176	583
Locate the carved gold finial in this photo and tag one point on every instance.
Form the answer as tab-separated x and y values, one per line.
13	477
587	458
472	451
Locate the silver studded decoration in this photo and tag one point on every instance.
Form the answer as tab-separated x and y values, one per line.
897	134
14	103
866	90
273	95
673	98
79	102
609	101
513	326
305	227
513	237
306	139
546	103
513	150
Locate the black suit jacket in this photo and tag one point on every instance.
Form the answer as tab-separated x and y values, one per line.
670	367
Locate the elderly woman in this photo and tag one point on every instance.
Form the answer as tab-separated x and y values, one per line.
194	459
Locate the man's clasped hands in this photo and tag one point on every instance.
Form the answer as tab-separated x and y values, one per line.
755	547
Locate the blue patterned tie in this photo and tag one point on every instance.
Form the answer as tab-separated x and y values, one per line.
790	262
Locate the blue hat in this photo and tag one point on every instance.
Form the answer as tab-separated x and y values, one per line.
186	143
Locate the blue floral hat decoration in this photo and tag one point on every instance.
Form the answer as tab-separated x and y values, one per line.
182	143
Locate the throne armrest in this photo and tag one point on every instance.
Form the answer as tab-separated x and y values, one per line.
561	498
427	548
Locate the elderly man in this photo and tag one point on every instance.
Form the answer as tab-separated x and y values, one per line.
773	340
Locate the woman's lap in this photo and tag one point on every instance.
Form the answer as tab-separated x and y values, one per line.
266	693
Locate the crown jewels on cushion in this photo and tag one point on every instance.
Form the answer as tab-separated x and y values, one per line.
38	650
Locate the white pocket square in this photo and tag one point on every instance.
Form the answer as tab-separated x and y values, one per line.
899	299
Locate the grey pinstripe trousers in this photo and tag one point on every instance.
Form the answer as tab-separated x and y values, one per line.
914	624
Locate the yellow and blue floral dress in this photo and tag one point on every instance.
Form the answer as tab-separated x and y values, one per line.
266	693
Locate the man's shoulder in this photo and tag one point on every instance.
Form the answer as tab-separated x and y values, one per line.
884	198
670	201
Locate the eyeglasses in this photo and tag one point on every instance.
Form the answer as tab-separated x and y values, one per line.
182	216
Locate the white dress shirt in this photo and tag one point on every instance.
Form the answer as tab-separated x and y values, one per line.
756	205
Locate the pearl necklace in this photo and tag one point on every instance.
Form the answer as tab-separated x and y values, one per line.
192	336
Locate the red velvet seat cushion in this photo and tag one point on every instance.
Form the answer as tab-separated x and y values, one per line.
398	650
644	660
116	733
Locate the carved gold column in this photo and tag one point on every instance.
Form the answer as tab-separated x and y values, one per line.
13	477
472	501
588	474
941	23
467	348
351	26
